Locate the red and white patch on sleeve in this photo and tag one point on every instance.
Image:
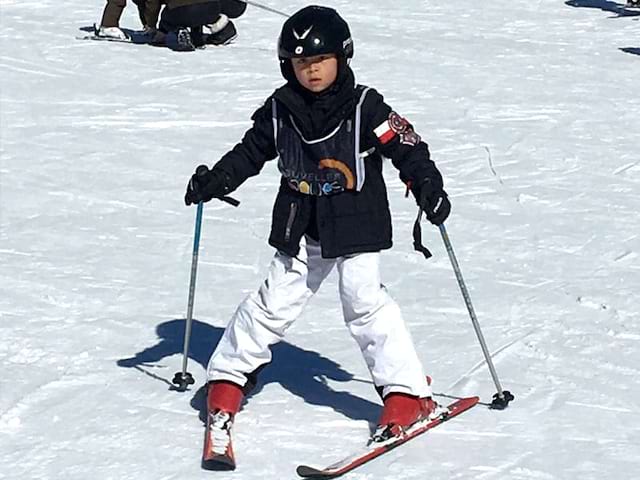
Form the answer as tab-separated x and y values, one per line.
402	127
384	132
396	125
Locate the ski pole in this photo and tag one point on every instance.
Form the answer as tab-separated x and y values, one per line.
264	7
502	398
183	378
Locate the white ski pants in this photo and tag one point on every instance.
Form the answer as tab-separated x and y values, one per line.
372	317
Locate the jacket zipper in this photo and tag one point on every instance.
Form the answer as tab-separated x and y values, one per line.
292	215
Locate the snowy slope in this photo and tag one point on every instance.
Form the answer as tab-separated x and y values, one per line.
532	113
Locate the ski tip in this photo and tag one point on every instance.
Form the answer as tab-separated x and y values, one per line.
305	471
218	465
309	472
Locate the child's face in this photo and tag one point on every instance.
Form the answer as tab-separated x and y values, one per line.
316	73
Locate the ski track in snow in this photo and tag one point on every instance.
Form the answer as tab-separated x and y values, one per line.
531	112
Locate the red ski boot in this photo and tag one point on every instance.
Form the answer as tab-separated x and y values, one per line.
400	412
223	402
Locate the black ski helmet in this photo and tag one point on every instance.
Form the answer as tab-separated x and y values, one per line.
313	31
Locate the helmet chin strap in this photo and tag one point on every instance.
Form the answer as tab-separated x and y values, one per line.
343	65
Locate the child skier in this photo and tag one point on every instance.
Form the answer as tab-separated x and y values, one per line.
331	211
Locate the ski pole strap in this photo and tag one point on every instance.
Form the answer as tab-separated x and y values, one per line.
417	237
230	200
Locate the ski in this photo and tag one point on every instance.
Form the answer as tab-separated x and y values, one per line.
104	39
138	38
218	450
374	450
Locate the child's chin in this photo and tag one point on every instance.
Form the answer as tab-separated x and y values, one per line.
315	88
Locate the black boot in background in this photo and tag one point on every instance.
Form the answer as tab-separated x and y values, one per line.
223	31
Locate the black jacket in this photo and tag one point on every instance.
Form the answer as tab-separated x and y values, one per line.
347	222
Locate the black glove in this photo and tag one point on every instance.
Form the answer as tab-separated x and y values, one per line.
206	184
433	201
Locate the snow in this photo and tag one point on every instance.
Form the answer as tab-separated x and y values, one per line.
531	111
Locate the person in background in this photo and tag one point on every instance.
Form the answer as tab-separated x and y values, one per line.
182	23
109	27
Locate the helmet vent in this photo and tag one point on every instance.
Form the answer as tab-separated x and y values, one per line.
304	35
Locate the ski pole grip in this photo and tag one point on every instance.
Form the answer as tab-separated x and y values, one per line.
201	171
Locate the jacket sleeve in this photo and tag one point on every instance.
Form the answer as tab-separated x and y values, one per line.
393	136
257	147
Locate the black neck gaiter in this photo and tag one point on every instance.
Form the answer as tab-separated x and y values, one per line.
317	114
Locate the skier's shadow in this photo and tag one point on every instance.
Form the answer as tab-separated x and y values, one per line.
301	372
604	5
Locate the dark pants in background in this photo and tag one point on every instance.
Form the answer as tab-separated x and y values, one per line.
114	8
189	16
112	13
199	14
